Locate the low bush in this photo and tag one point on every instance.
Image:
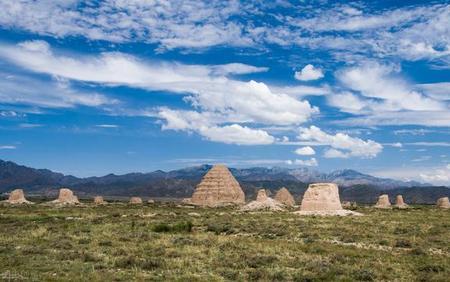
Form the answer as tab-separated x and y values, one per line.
183	226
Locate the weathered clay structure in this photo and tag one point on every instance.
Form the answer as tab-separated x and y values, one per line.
323	199
400	203
17	197
98	200
443	203
383	202
261	196
263	202
284	196
135	200
217	188
66	197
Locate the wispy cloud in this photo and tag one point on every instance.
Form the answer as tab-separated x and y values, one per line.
412	32
26	90
30	125
437	175
230	161
429	144
193	24
421	159
107	125
7	147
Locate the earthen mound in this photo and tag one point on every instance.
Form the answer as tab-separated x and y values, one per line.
263	202
98	200
283	196
66	197
323	199
261	196
399	203
135	200
383	202
443	203
17	197
218	188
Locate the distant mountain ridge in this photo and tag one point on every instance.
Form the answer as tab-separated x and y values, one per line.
12	174
344	177
181	183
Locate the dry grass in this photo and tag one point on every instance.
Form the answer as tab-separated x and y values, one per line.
163	242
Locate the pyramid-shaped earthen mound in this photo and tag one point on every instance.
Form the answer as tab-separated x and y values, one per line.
283	196
217	188
135	200
323	199
399	203
98	200
261	196
383	202
66	197
17	197
443	203
263	202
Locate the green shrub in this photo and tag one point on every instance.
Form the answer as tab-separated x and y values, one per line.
146	264
402	243
383	242
161	227
219	228
431	268
105	243
88	257
256	261
184	226
364	275
125	262
152	264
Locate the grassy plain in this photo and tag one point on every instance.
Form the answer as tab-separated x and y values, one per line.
120	242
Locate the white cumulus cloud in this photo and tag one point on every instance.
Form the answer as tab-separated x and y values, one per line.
333	154
438	176
206	124
305	151
310	162
207	88
237	134
309	72
342	145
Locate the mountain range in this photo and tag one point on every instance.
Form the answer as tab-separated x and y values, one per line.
180	183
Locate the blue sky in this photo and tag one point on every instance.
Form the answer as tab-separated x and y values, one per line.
89	88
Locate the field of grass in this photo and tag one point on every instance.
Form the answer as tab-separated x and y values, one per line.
164	242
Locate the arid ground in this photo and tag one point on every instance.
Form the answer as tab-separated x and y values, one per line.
165	242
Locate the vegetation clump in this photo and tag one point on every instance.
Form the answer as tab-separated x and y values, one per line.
115	242
184	226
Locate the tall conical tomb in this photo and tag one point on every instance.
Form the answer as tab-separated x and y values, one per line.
217	188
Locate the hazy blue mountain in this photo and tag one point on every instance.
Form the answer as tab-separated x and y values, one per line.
181	183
